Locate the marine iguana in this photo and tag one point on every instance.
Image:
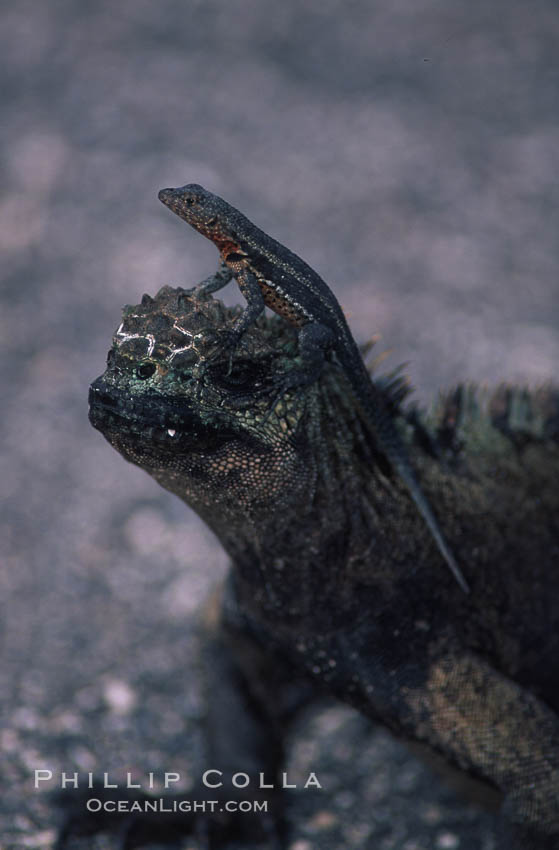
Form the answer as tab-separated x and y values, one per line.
335	585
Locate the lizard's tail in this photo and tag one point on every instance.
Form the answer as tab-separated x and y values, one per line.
407	475
393	448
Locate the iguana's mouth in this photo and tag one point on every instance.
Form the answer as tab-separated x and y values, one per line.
151	419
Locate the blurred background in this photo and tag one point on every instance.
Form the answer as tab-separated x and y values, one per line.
409	152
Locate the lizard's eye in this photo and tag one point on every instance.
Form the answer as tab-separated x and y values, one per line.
190	202
145	370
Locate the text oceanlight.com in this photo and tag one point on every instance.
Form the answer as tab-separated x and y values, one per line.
164	805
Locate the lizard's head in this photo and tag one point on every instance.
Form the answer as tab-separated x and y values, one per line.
200	424
200	208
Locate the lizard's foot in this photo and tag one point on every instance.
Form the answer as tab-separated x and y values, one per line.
217	824
220	342
293	382
216	345
214	282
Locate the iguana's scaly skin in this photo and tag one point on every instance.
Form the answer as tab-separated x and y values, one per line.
334	574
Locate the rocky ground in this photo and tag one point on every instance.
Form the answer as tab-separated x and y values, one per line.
410	153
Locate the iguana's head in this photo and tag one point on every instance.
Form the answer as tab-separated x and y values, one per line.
201	426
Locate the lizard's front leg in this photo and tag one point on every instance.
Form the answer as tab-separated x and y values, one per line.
215	281
229	337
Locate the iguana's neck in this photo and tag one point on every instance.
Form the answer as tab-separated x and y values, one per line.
314	511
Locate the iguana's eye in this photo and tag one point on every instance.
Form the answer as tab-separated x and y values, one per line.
243	374
145	370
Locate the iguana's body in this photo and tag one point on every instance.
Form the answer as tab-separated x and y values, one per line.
334	583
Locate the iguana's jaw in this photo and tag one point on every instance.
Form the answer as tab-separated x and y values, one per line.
137	426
